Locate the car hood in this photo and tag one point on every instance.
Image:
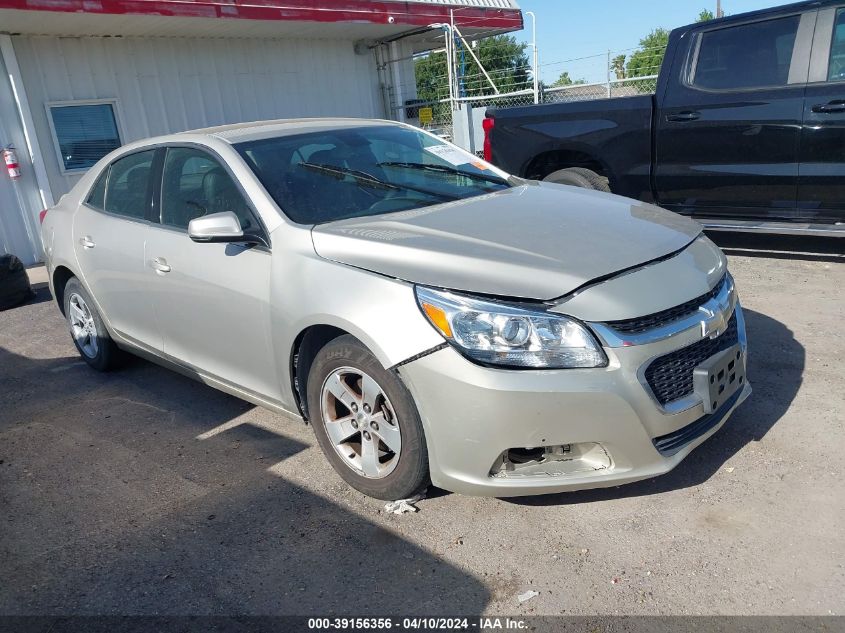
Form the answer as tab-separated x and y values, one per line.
532	241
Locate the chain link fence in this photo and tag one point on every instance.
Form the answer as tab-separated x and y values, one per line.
445	110
607	90
458	120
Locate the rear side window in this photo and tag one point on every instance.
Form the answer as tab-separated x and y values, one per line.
128	188
752	55
97	197
836	67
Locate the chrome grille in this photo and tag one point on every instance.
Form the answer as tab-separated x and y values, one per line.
670	375
650	321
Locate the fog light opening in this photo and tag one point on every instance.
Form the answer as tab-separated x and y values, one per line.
551	461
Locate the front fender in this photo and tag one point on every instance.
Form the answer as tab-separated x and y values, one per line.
308	290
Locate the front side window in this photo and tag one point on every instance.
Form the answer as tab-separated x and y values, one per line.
84	133
747	56
128	186
195	184
836	67
330	175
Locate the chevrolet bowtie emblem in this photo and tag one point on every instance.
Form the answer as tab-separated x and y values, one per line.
714	321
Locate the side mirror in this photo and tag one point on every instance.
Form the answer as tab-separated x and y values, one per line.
216	227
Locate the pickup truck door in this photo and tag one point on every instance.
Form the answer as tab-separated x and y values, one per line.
821	181
728	130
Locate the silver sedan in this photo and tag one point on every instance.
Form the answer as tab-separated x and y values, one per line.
434	319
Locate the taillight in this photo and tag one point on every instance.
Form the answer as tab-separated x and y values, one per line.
488	124
42	215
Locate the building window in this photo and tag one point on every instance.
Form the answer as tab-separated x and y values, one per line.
83	131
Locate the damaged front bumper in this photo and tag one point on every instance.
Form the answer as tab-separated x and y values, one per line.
500	432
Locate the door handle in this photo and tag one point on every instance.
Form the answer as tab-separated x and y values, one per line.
680	117
86	241
828	108
159	264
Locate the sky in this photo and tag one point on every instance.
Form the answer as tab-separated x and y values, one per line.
570	29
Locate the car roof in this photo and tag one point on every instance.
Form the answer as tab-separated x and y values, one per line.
256	130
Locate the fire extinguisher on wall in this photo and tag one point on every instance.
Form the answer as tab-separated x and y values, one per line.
10	157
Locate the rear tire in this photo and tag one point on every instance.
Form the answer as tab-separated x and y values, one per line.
366	422
87	330
579	177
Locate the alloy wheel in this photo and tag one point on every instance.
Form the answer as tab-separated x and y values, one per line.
82	326
360	422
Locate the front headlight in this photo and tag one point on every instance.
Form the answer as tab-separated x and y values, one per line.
499	334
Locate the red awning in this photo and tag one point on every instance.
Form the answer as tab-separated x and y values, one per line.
371	12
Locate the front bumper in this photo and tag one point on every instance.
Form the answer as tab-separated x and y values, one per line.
474	414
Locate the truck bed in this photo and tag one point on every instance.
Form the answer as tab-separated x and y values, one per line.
609	136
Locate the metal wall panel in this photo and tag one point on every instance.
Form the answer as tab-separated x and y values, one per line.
19	200
165	85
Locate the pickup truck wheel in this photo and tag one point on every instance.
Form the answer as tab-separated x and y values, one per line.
366	422
579	177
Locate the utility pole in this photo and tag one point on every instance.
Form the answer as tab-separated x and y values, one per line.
719	13
535	63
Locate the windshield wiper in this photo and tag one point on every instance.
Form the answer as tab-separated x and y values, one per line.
445	170
364	178
342	172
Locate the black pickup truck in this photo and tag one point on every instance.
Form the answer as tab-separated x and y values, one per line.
746	130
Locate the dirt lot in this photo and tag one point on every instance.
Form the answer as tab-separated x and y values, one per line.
142	492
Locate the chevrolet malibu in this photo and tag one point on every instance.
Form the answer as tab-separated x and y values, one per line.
435	319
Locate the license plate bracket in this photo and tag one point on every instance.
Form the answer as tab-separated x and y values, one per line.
719	377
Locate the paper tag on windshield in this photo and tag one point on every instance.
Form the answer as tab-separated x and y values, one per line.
449	154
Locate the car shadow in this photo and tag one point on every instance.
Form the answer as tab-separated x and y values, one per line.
775	370
142	492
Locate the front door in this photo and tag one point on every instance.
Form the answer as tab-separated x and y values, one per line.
728	131
821	182
212	300
109	236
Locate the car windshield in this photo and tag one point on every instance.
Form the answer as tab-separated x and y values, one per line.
331	175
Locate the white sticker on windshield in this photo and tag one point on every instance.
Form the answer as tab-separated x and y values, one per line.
449	154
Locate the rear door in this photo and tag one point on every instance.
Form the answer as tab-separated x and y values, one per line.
728	131
821	182
109	236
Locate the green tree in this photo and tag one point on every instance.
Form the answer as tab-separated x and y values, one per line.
617	66
647	58
566	80
502	56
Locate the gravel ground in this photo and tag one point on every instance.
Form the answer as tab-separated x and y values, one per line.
142	492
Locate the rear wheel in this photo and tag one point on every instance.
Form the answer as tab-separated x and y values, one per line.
87	330
366	422
579	177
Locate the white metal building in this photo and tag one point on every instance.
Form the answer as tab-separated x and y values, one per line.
81	77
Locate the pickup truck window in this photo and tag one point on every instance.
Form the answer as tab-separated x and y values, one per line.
836	67
751	55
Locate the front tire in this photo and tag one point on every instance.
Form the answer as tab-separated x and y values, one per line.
579	177
366	422
87	330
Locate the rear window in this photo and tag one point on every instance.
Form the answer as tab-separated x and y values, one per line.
752	55
97	197
368	170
